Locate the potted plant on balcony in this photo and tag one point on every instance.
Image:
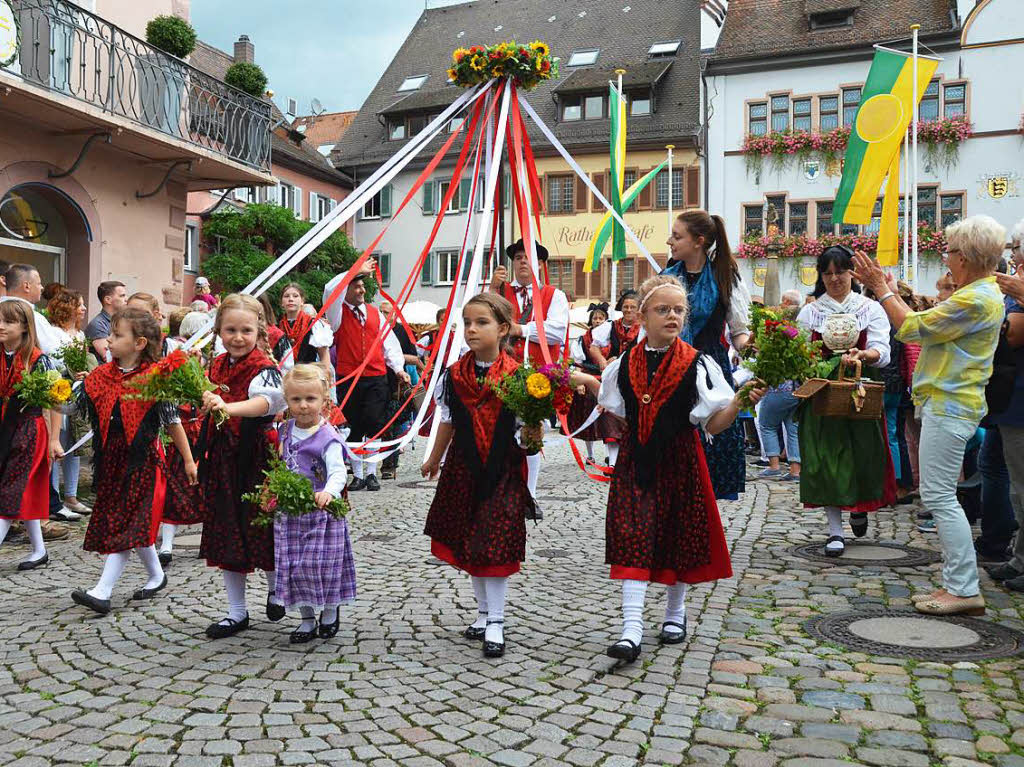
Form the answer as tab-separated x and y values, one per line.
172	35
247	77
163	74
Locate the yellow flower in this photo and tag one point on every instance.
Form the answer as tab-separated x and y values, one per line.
458	54
61	390
451	74
498	71
541	48
538	386
478	63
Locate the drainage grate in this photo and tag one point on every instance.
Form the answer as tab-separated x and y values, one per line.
869	553
907	634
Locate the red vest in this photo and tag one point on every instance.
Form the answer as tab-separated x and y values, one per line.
547	292
354	341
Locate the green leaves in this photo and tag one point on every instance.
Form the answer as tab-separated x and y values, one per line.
75	356
784	352
285	492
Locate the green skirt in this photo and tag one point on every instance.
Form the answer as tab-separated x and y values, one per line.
844	462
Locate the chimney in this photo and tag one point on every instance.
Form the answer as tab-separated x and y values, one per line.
245	50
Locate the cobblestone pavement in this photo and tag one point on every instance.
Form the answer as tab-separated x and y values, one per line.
399	685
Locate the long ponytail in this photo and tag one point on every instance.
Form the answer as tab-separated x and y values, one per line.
700	223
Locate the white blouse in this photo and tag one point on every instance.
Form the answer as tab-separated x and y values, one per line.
334	458
710	399
869	314
443	411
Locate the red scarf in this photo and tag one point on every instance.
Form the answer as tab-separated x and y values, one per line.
106	387
238	376
274	334
480	401
651	397
296	329
12	374
624	334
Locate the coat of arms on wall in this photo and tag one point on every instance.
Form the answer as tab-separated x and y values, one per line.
759	274
996	186
812	169
808	275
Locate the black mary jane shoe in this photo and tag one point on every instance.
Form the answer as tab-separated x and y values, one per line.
474	633
672	637
150	593
275	612
301	637
32	564
85	599
165	558
859	524
227	627
493	649
624	650
329	630
835	552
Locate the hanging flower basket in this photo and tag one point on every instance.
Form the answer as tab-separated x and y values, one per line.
930	243
782	146
527	65
942	139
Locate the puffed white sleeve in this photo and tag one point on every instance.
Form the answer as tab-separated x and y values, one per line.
441	407
320	335
739	308
555	323
878	333
268	385
609	397
713	392
333	313
602	335
334	457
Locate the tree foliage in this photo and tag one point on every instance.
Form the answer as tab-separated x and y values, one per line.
247	77
244	242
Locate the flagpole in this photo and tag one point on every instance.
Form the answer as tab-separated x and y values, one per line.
906	207
613	299
913	172
669	147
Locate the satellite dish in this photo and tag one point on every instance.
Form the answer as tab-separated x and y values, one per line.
316	107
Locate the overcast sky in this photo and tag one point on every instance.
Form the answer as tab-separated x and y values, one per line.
333	50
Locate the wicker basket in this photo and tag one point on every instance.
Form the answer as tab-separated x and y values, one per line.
845	397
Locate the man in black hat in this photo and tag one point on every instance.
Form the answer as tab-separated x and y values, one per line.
356	327
555	304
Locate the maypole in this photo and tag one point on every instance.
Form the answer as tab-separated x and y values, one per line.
618	173
670	147
913	159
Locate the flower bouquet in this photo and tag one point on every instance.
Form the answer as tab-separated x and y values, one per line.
179	379
75	356
534	396
285	492
45	389
528	65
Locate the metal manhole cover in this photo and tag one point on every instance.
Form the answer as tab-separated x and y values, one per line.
905	634
551	553
869	553
377	538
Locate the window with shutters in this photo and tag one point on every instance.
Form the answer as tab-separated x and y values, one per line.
752	219
929	106
851	102
823	213
447	266
693	186
661	189
427	270
802	115
627	274
453	203
757	118
954	99
560	194
384	262
323	206
797	218
952	208
599	180
560	273
628	179
378	206
780	113
828	113
191	248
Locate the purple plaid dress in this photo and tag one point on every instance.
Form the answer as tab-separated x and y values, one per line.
312	552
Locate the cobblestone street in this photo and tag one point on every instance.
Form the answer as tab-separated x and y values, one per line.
399	685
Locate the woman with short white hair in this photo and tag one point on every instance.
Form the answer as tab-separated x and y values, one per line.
958	339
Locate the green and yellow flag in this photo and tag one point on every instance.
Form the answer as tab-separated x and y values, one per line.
886	109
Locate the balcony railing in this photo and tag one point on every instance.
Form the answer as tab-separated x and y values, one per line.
73	52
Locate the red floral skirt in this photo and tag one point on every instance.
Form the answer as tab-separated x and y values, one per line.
606	428
184	504
25	472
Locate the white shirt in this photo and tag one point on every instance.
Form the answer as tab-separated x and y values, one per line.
602	335
710	399
47	338
556	321
334	458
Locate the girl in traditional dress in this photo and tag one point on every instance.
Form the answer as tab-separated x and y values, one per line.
235	456
128	459
29	438
311	341
584	403
703	262
477	521
662	522
313	554
846	464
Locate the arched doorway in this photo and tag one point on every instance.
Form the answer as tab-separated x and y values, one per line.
40	225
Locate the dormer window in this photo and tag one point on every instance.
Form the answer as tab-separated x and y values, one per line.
832	19
412	83
583	58
666	49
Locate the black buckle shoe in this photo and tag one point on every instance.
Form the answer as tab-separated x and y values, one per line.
32	564
227	627
372	484
275	612
85	599
835	552
672	637
150	593
859	524
357	483
165	558
625	650
493	649
475	633
301	637
329	630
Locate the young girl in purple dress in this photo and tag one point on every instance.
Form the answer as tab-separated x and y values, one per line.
312	552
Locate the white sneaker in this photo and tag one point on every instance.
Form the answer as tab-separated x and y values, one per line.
65	515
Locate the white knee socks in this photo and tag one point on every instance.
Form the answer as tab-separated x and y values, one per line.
272	587
835	525
234	584
357	467
480	591
370	467
675	608
5	527
330	615
532	473
113	566
633	594
590	449
34	528
613	452
496	588
308	619
151	561
167	542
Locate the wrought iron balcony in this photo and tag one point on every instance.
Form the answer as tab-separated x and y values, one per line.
75	53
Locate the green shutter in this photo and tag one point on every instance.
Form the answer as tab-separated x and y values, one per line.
385	201
426	273
464	190
428	198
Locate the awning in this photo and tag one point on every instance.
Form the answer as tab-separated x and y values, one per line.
646	74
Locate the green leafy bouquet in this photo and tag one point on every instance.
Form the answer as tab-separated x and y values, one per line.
75	356
178	378
783	352
534	396
285	492
45	389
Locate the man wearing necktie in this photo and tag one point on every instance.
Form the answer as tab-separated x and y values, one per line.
525	338
356	327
